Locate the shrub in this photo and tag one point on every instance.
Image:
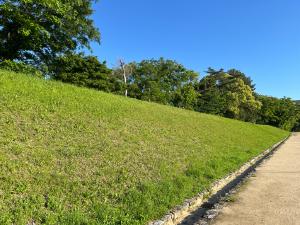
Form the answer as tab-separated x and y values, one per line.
20	67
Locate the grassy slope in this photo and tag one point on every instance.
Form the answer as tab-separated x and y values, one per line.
71	155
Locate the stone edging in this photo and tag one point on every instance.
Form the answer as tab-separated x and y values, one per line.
177	215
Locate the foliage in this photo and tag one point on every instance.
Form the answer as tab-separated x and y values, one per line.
238	74
39	30
72	155
186	97
19	67
212	101
283	113
85	71
122	73
242	104
160	81
227	95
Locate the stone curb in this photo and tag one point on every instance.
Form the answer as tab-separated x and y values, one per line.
179	213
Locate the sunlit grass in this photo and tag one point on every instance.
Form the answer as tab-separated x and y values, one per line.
70	155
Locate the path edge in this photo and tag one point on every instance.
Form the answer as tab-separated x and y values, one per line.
179	213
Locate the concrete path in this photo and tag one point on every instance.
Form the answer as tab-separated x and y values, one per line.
272	196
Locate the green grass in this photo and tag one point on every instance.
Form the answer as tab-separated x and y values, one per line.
70	155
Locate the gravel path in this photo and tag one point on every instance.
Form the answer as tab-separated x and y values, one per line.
272	196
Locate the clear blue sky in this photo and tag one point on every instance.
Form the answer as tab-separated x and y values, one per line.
259	37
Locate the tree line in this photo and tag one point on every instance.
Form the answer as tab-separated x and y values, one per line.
44	38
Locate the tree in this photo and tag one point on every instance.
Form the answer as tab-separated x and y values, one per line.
227	95
158	80
85	71
186	97
242	104
212	102
282	113
37	31
122	72
238	74
211	98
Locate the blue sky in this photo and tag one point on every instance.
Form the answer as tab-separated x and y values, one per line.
259	37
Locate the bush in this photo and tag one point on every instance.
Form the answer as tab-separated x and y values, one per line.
20	67
85	71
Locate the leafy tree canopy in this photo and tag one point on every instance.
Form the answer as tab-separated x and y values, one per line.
227	95
283	113
159	80
238	74
85	71
39	30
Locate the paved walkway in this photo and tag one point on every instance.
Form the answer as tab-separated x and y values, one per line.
272	196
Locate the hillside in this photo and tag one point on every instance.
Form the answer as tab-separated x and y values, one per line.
71	155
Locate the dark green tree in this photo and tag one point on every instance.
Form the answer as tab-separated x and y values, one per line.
37	31
85	71
212	101
283	113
